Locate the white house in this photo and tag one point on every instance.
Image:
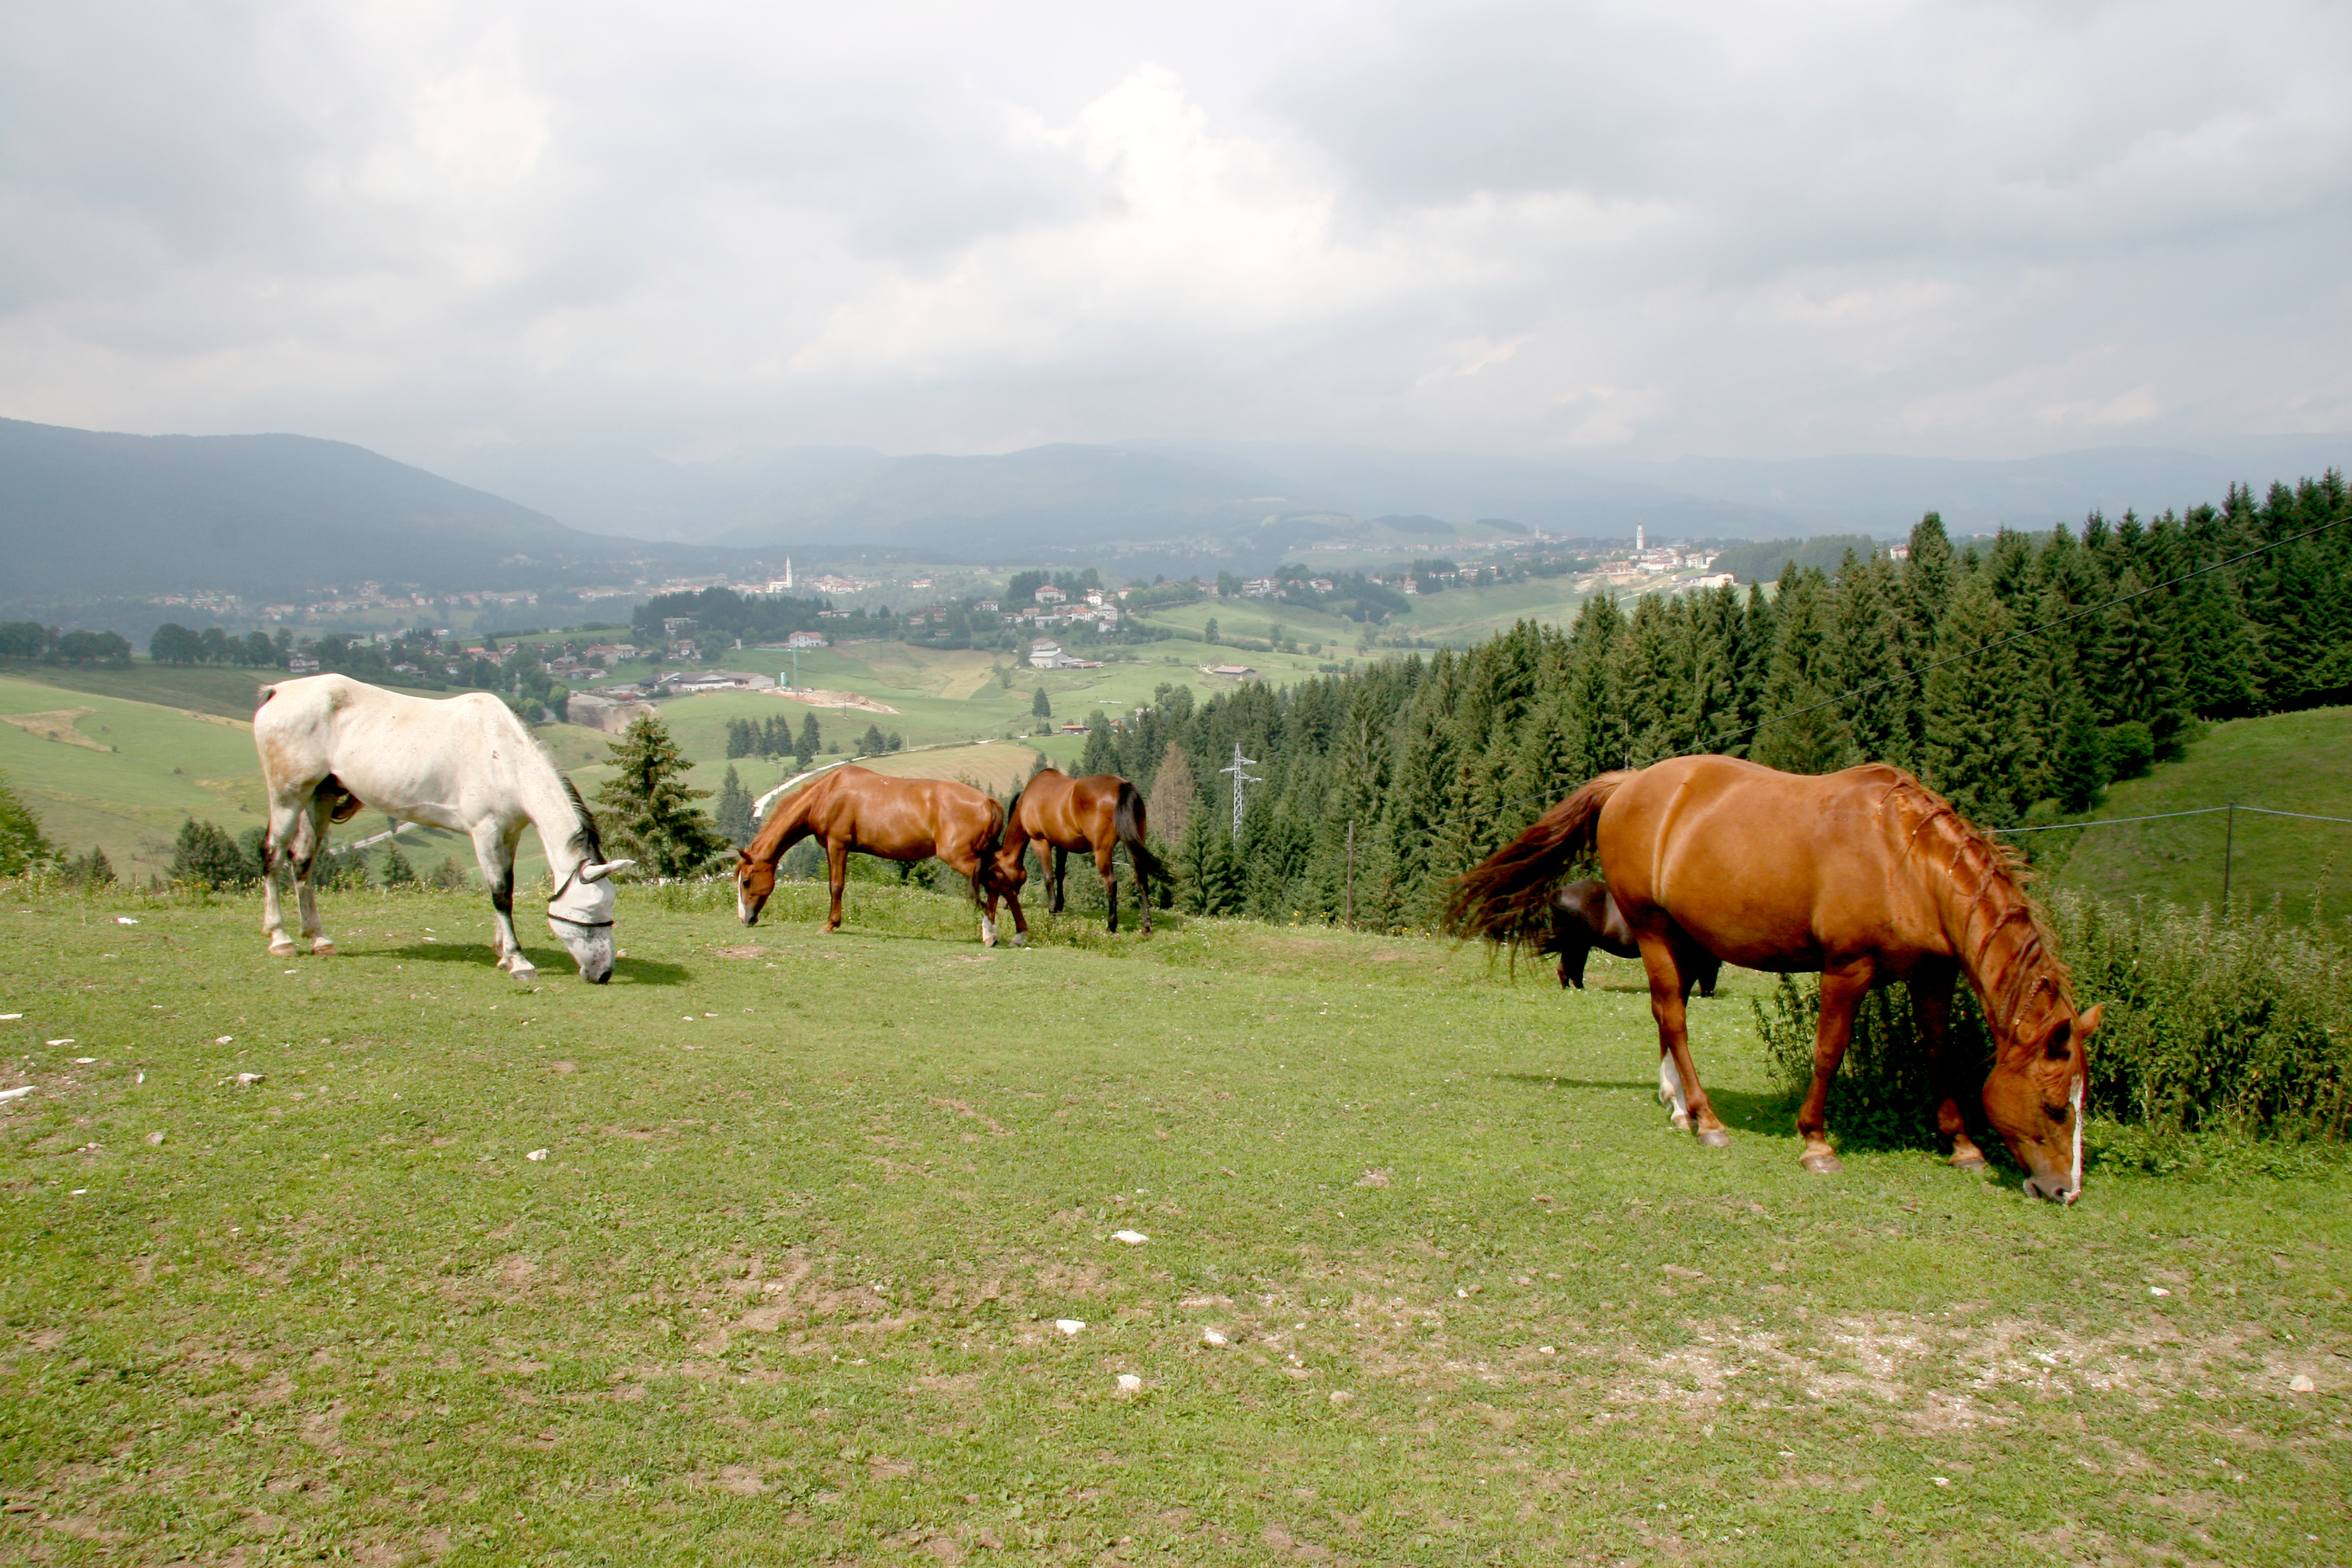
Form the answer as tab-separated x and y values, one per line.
1045	654
804	639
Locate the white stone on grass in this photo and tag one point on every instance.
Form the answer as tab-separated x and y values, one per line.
536	1154
1132	1237
1210	1337
2301	1383
9	1094
1069	1325
1128	1382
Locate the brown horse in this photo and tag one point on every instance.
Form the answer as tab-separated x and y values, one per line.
1865	875
897	819
1098	813
1583	917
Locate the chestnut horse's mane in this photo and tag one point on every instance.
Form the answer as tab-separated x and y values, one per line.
2009	950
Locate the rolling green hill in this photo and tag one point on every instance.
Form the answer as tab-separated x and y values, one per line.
2286	761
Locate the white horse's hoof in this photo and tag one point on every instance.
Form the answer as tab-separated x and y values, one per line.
1682	1120
322	948
283	950
1019	939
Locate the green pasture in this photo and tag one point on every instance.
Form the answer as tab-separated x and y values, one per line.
763	1253
2287	761
1455	617
137	772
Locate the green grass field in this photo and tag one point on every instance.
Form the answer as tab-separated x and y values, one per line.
763	1254
2287	761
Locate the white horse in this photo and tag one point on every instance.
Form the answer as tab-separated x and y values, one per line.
329	743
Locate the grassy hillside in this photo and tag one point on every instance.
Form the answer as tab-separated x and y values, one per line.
785	1247
2287	761
1457	617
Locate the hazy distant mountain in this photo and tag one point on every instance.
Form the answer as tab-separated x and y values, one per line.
607	487
1878	495
88	514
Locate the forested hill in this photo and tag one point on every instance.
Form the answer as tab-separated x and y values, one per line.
1436	762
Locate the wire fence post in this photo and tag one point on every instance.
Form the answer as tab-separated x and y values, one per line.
1347	917
2228	846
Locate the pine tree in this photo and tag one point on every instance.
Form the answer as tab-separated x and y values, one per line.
810	742
202	856
649	814
1169	808
1928	576
1977	745
1806	733
395	872
1041	706
90	870
23	847
873	743
1208	871
731	816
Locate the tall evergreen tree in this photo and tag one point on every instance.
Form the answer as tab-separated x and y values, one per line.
648	813
1805	733
1978	743
23	847
809	742
731	815
395	870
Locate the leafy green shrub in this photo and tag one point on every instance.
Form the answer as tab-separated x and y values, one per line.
2239	1027
2241	1024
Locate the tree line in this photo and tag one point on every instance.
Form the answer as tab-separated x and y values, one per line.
1435	762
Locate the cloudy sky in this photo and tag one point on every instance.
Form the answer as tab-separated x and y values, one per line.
1654	228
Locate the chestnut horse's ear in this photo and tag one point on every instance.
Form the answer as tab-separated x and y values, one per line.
2089	1020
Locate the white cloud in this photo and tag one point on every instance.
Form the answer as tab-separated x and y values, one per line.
1972	228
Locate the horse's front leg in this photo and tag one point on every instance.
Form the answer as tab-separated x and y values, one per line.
836	872
1572	954
1060	859
1931	1014
1842	989
1107	870
1679	1085
494	851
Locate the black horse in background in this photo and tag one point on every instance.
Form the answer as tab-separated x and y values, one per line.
1583	917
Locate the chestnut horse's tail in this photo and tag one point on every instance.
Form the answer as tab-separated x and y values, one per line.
1127	816
1506	897
983	868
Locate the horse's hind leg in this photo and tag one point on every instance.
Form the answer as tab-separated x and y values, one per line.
1108	868
1842	989
311	842
1931	1013
1061	859
1572	964
1663	955
279	848
836	872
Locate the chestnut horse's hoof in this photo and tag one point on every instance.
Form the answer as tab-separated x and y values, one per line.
1821	1164
1968	1160
1715	1137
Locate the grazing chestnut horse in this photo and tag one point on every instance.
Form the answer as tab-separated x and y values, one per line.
1099	812
1583	917
1865	875
897	819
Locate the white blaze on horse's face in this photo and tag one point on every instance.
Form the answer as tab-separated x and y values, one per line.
581	916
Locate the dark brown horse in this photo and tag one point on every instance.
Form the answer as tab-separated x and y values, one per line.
1097	813
1583	917
897	819
1865	875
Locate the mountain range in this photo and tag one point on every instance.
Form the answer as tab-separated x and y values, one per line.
87	515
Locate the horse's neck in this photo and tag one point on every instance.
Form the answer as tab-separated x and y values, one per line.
552	811
787	828
1995	932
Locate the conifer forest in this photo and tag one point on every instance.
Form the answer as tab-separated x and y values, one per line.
2018	675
